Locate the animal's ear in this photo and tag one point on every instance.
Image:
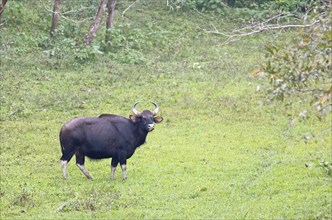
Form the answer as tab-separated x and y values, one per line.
158	119
132	117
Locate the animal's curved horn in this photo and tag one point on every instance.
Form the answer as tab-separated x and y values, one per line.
137	113
156	109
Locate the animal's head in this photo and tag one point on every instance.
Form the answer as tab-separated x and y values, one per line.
146	118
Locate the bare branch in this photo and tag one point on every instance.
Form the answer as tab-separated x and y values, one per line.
123	13
61	14
68	12
78	10
202	14
77	22
258	28
262	28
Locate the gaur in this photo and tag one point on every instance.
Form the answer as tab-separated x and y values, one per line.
106	136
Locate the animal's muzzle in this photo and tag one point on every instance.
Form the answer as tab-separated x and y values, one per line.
150	127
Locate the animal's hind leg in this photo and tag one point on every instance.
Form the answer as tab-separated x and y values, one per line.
114	163
124	171
80	163
123	163
64	160
64	168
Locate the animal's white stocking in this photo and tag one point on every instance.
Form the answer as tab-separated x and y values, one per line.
112	172
124	172
64	168
85	171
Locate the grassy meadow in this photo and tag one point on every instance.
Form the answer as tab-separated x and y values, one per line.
220	153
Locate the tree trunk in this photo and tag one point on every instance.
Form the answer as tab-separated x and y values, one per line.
2	7
109	21
110	10
230	3
55	16
96	22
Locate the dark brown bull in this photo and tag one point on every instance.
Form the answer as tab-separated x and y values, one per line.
106	136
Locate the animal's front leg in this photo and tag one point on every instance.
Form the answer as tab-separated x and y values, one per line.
80	163
84	170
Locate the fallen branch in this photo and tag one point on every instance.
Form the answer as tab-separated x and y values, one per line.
123	13
265	28
258	28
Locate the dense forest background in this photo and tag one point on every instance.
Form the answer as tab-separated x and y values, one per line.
74	25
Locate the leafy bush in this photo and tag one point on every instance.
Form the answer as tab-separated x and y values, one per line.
66	46
219	5
243	10
283	5
15	18
302	65
128	45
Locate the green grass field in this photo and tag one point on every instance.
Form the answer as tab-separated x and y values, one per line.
218	154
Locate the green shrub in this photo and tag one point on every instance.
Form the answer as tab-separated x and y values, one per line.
218	5
302	66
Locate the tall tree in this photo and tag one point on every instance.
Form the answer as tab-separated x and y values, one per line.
109	21
110	8
2	6
55	15
110	4
230	3
96	22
